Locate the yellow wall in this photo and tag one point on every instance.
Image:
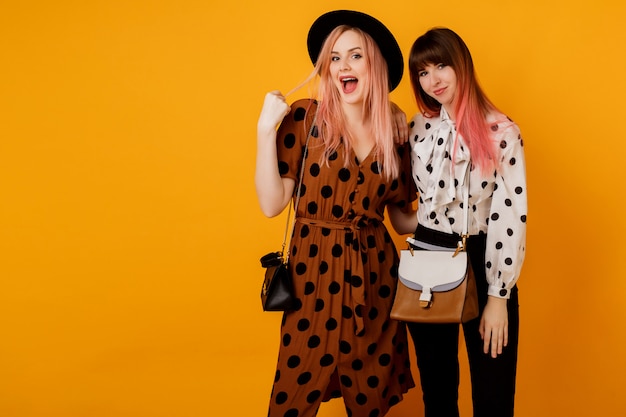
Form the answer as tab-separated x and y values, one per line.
130	232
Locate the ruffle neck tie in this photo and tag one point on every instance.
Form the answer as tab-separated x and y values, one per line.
438	151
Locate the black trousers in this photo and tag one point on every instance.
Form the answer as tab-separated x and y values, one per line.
436	347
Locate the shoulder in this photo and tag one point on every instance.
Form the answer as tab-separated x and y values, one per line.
301	112
506	134
503	128
303	107
421	125
296	126
502	125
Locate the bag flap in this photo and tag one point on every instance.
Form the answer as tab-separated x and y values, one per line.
434	270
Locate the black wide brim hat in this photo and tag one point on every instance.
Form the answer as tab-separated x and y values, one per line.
385	40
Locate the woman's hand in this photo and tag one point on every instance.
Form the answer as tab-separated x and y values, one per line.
494	326
400	126
274	110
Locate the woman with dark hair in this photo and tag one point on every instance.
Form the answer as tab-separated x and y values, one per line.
339	339
459	129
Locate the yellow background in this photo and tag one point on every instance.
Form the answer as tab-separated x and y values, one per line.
130	232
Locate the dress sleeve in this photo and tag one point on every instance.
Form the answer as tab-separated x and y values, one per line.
406	185
292	135
506	232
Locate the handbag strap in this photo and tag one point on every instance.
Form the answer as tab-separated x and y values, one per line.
461	245
466	201
288	230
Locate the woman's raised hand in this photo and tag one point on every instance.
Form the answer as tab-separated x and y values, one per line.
274	110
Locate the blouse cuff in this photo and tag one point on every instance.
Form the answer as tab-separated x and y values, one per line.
499	292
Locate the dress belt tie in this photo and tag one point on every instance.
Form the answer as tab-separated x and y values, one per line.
357	289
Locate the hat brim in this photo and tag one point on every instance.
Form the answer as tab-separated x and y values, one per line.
385	40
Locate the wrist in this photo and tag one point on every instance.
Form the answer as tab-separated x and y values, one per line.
264	130
496	300
497	292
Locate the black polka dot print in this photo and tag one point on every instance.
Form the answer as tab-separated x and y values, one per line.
340	342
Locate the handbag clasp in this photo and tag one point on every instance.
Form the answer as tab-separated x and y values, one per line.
460	246
426	298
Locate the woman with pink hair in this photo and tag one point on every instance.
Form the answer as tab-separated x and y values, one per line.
339	340
459	130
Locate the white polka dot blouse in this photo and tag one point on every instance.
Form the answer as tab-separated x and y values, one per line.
498	201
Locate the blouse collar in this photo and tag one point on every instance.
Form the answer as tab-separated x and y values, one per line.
437	152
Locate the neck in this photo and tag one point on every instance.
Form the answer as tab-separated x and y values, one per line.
354	114
359	135
451	111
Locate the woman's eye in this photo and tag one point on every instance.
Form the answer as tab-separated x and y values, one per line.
440	66
356	56
422	73
334	58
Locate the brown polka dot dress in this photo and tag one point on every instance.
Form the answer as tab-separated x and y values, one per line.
339	340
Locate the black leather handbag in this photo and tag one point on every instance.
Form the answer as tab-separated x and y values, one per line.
277	289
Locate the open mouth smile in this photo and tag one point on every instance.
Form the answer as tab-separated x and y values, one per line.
349	84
